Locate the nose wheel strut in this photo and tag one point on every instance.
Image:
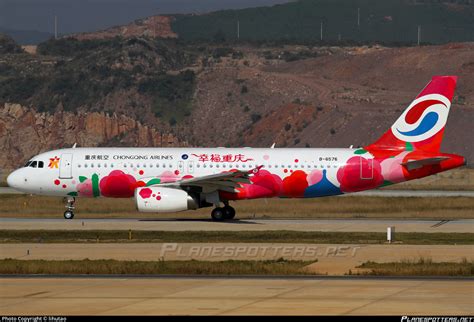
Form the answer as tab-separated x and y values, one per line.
69	213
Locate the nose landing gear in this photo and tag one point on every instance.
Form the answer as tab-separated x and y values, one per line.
69	213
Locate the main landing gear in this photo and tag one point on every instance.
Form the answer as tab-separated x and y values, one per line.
223	213
69	213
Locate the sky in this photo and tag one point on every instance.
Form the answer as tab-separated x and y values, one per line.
91	15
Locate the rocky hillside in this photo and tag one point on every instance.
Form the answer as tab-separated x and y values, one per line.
132	91
154	26
342	97
24	132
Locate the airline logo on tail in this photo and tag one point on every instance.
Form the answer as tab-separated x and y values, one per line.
425	117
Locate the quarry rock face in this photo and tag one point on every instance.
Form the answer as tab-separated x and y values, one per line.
25	133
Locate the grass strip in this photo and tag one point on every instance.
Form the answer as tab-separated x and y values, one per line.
279	236
192	267
420	267
443	208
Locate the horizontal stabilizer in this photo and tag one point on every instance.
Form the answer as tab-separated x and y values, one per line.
416	164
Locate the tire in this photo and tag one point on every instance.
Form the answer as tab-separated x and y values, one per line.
68	214
218	214
229	212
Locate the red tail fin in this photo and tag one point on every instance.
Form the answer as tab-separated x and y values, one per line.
421	126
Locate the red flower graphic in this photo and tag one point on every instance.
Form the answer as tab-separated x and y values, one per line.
295	184
118	185
145	193
359	174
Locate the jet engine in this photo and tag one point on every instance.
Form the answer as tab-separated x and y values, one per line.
160	199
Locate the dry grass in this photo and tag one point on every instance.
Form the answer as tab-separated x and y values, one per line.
279	236
159	267
328	207
421	267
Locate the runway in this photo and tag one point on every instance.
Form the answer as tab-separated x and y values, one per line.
235	296
341	225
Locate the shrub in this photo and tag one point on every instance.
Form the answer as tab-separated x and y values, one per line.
255	117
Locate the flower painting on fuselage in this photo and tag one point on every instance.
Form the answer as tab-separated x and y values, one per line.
359	170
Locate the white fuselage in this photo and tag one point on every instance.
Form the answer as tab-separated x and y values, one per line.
167	165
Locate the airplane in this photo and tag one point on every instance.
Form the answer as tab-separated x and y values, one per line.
179	179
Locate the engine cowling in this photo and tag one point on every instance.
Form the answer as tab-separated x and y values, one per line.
160	199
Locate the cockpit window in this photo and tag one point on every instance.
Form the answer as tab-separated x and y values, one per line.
34	164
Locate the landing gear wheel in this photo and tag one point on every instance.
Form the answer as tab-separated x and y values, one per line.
229	212
68	214
218	214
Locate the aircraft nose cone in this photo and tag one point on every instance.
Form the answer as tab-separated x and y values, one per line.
13	180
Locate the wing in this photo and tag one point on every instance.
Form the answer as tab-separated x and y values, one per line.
225	181
415	164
